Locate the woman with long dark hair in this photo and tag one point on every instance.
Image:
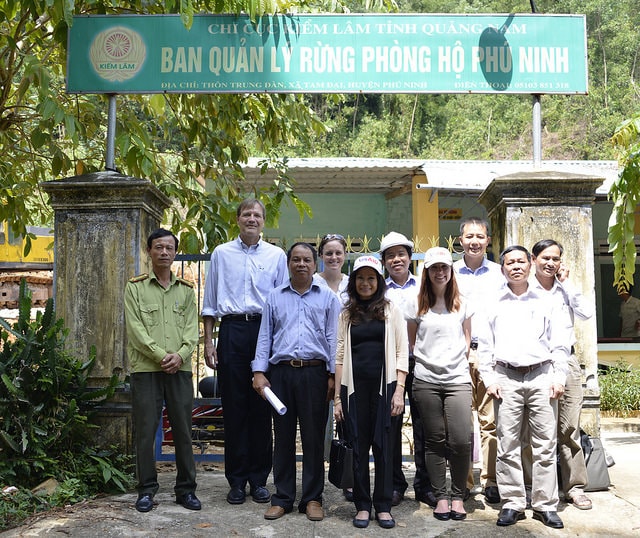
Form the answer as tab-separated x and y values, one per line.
371	367
439	334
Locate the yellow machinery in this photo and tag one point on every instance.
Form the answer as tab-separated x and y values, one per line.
35	267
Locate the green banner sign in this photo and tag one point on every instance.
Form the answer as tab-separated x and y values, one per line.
411	53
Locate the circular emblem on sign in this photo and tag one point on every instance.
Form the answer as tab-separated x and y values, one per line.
117	53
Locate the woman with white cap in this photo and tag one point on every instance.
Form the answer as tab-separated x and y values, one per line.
439	334
371	367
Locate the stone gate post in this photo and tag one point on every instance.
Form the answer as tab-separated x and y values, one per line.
102	221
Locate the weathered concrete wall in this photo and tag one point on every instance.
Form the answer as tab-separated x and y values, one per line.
102	221
529	206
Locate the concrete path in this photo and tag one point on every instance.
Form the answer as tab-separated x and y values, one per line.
615	512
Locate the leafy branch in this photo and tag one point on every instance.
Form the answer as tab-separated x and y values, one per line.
625	195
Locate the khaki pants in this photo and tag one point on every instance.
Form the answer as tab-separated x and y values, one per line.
521	393
482	403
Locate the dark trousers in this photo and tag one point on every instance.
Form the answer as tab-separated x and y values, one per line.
247	417
421	481
446	418
371	435
304	392
149	390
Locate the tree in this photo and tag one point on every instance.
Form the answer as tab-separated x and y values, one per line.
173	140
625	194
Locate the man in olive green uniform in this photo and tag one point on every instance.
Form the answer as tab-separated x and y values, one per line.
162	332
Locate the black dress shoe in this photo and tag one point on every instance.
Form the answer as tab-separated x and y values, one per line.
236	496
427	497
360	523
189	501
348	494
550	519
144	502
396	498
442	516
508	516
386	523
492	495
457	516
260	494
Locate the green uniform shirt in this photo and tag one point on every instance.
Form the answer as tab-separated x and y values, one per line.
159	321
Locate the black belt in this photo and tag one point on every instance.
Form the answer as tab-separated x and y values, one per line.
242	317
522	369
473	345
299	363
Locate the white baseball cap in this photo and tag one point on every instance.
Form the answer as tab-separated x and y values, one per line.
437	255
367	261
394	239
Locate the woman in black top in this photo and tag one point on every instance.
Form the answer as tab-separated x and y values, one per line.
371	366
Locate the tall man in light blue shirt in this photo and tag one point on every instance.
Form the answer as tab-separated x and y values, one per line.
296	350
242	274
479	280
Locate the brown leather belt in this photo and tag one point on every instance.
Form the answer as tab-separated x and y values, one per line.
300	363
522	369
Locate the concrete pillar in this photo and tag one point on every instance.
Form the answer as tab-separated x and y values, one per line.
102	221
528	206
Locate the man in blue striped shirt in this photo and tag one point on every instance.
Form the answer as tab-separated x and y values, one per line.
295	357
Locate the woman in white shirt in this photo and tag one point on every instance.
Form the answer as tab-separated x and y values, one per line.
332	251
439	333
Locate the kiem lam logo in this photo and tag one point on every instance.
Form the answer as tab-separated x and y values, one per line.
117	54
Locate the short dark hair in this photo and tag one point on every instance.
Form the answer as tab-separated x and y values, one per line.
303	244
544	244
250	202
160	232
512	248
474	220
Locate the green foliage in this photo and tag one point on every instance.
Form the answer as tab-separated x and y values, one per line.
46	408
620	390
17	507
179	142
625	195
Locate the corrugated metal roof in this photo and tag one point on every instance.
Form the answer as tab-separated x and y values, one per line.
390	175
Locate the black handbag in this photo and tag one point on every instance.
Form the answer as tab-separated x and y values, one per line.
341	462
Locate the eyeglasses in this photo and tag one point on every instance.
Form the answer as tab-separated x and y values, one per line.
331	237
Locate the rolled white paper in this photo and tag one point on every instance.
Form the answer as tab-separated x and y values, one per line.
275	402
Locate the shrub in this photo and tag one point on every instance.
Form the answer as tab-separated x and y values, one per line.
46	408
620	389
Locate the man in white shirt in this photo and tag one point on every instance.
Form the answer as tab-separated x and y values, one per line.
402	288
552	282
523	363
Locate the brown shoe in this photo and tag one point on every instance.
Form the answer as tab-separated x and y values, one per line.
314	511
274	512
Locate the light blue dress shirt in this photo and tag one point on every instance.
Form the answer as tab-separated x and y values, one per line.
298	326
241	277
